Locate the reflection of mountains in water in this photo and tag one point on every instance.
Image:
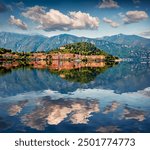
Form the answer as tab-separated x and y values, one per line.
125	77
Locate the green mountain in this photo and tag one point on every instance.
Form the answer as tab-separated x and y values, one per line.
83	48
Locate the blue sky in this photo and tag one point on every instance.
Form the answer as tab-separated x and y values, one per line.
90	18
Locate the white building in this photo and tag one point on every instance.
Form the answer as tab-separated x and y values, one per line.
62	47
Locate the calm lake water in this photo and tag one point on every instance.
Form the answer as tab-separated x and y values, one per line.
74	97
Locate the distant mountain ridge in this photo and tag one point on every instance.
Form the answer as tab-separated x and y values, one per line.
133	40
119	45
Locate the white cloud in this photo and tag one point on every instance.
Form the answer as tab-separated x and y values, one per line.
121	14
134	16
19	23
55	20
112	23
108	4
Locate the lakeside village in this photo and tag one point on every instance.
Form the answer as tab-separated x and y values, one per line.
79	62
81	51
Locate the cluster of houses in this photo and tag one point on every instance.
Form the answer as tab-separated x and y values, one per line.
53	56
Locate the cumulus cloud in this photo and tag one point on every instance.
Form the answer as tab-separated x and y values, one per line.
19	23
112	23
134	16
108	4
55	20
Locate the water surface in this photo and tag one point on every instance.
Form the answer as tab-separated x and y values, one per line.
74	97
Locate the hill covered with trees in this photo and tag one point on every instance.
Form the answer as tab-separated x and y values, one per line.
84	49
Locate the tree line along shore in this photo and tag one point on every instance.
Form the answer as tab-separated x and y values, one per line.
81	51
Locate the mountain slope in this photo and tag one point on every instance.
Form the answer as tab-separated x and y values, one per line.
133	40
19	42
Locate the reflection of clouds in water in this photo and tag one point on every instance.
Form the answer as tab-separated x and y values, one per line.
17	108
101	94
111	108
36	119
145	92
57	114
108	129
54	112
82	111
130	113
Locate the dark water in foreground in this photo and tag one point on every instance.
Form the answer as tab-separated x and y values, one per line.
84	99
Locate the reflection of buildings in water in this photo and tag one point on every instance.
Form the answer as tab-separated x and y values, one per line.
55	64
41	64
54	112
73	71
111	108
130	113
108	129
67	65
14	109
10	65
